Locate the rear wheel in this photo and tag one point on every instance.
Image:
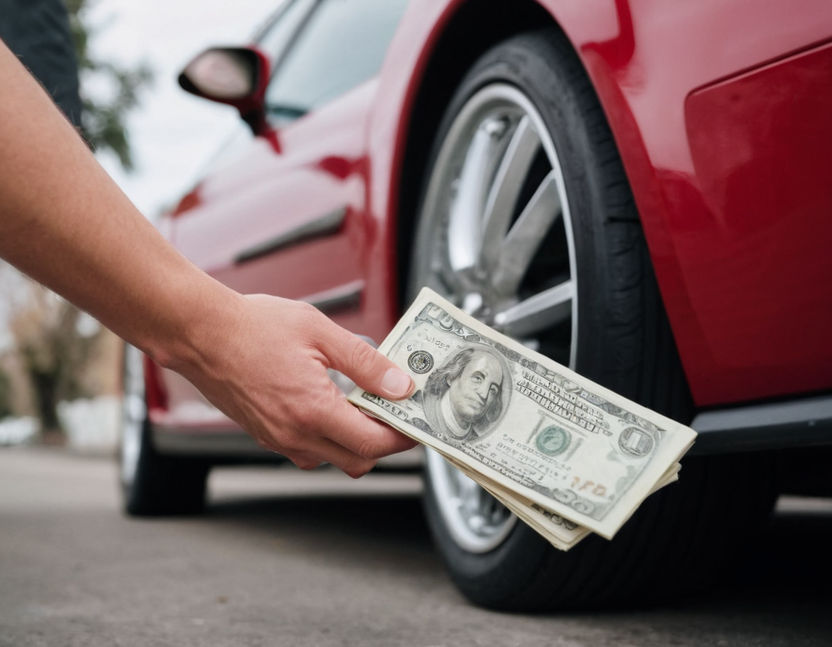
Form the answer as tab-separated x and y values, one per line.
527	222
152	483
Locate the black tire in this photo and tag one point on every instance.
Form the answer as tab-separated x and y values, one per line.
152	483
683	536
165	485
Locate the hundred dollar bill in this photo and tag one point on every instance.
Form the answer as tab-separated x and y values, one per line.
522	422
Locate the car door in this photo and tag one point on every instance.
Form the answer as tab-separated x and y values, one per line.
287	217
286	213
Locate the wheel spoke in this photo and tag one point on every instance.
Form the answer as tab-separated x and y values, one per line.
525	236
465	221
469	492
505	190
442	278
538	312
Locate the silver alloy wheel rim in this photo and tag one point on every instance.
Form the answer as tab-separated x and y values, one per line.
133	412
482	225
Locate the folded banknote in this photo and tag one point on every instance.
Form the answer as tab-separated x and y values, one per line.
566	455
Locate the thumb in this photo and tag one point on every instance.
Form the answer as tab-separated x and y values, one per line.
364	365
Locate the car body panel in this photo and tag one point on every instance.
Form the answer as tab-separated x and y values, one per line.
663	71
313	169
645	79
757	243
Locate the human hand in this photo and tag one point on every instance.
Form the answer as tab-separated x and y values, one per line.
267	370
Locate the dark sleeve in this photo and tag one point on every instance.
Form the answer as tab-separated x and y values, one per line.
37	31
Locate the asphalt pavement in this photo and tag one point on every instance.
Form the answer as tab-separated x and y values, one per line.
290	558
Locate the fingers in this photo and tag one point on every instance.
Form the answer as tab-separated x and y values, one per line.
364	365
369	443
360	434
329	429
326	451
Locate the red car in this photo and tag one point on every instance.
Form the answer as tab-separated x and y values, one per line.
641	190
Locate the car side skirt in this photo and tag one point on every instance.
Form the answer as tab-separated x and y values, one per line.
775	425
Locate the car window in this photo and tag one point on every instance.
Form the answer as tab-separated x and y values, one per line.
274	38
232	150
341	45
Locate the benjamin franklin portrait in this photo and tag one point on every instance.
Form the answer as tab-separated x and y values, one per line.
466	396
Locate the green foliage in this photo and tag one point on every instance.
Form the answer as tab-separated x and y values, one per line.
103	119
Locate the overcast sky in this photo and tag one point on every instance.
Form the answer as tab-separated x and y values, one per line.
172	133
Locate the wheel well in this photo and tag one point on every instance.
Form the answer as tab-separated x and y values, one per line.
473	29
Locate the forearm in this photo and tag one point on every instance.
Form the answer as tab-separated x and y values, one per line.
67	225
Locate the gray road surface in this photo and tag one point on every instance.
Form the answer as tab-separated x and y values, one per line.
290	558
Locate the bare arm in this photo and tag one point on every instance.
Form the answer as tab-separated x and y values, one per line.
261	360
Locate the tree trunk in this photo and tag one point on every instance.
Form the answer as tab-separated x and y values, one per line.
46	397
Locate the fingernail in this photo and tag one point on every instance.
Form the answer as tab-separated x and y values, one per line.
396	382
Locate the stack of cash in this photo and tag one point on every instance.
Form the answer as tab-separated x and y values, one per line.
565	455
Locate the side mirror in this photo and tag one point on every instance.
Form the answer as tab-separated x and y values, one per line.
236	76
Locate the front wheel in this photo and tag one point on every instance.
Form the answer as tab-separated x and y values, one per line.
152	483
527	223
